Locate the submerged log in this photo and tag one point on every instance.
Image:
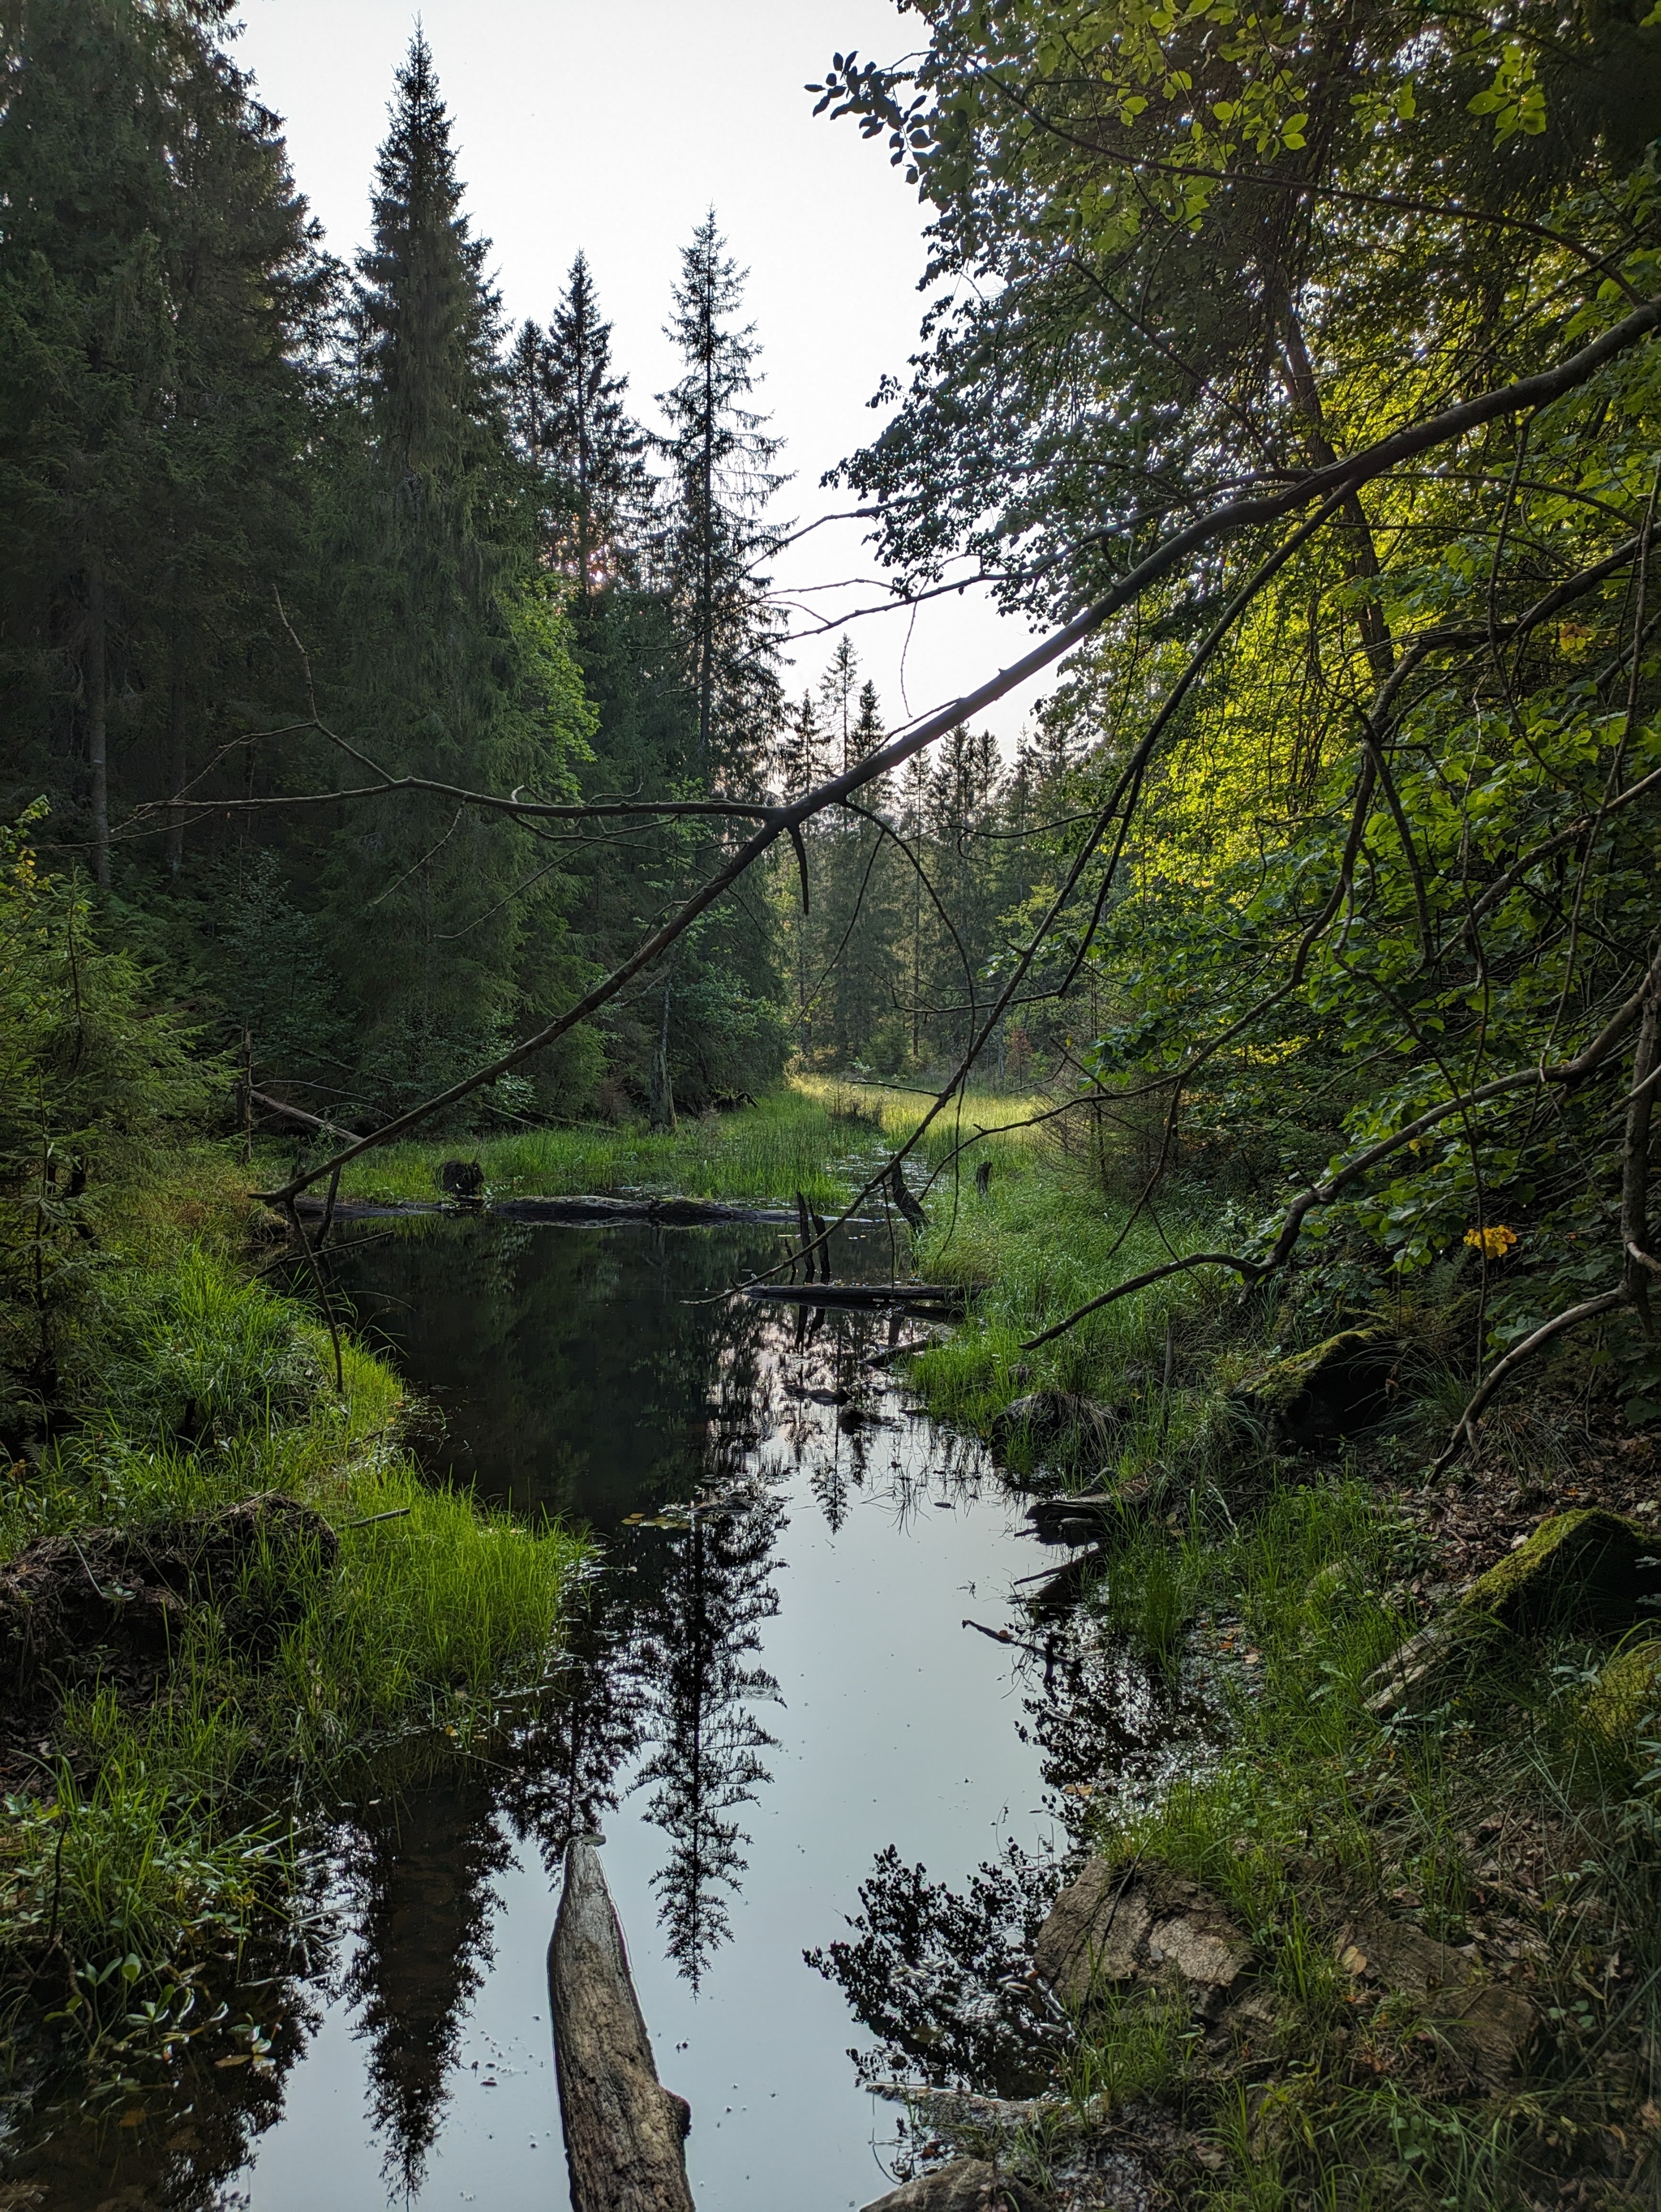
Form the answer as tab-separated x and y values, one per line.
578	1211
624	2132
951	1295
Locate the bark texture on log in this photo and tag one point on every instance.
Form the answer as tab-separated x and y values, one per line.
623	2130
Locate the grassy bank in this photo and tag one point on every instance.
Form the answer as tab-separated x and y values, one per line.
142	1846
810	1135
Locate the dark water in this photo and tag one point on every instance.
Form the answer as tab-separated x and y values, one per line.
764	1694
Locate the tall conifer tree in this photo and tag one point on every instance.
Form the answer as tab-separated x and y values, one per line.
720	463
456	658
596	451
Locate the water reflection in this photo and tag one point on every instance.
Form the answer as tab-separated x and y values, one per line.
595	1376
420	1888
592	1375
583	1373
705	1736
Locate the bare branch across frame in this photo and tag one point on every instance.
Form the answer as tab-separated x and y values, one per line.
1323	489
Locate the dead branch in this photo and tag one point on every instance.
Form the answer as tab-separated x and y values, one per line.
1464	1430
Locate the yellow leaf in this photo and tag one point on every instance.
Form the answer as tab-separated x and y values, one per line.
1492	1242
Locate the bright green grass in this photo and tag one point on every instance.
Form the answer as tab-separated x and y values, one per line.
814	1135
1044	1242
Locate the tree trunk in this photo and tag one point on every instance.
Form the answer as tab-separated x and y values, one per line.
1306	395
177	751
96	678
623	2130
663	1089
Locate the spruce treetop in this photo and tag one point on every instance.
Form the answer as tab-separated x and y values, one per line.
430	323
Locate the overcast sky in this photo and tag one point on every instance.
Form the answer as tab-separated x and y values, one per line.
611	127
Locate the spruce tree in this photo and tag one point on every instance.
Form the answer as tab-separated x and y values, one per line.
455	655
837	699
863	901
525	376
596	451
156	277
721	478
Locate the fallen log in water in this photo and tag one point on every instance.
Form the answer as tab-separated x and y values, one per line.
577	1211
624	2131
951	1296
1080	1517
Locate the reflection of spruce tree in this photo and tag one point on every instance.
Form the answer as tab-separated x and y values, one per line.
424	1948
706	1763
562	1765
829	1481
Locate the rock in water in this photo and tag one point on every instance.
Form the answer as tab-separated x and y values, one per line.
624	2132
1331	1390
1116	1923
968	2184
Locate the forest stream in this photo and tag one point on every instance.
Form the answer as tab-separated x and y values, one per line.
763	1697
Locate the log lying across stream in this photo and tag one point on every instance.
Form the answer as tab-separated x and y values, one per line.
951	1296
578	1210
624	2132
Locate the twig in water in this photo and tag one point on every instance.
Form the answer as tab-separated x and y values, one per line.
1006	1635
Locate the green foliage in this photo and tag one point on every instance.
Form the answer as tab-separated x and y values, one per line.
1091	170
1373	829
93	1085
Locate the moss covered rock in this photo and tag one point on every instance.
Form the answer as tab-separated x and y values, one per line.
1332	1389
1624	1703
1585	1568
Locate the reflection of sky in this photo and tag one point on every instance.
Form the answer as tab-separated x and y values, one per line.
897	1725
